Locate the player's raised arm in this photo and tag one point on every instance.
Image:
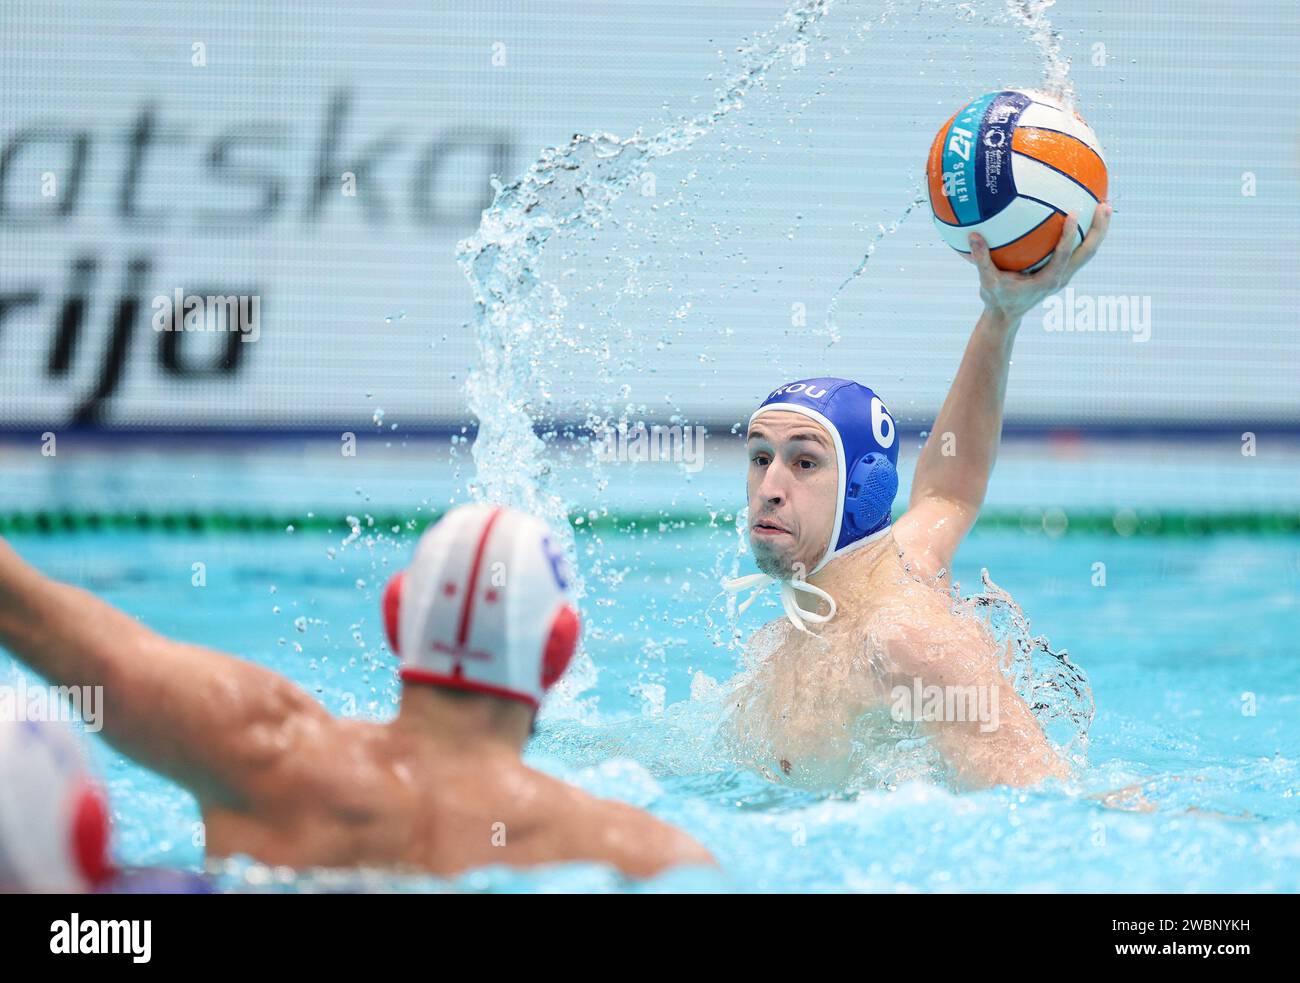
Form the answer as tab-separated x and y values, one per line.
952	472
204	719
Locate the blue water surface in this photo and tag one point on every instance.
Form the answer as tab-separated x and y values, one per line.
1190	649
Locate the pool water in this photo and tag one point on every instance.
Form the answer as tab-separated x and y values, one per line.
1189	647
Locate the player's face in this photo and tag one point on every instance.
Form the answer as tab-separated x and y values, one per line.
793	483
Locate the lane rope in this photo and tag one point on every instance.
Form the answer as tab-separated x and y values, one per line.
1123	523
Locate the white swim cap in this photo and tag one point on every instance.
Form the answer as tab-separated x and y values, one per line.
54	825
483	606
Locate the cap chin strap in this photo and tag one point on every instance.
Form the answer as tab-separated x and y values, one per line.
789	598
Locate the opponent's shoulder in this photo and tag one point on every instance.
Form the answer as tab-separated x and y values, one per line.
271	717
292	749
620	834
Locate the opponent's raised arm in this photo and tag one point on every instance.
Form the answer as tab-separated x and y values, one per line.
203	718
952	472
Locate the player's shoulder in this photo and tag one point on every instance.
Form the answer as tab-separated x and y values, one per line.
908	629
628	837
310	757
926	553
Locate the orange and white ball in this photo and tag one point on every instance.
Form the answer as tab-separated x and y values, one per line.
1010	165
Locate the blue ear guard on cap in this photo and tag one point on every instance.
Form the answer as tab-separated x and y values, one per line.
866	445
869	496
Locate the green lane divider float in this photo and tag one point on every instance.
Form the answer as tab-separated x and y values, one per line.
1030	521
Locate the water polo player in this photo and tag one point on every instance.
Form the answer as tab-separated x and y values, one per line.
54	819
55	826
865	596
483	625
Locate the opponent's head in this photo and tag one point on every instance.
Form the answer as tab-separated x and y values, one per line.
823	456
54	825
483	607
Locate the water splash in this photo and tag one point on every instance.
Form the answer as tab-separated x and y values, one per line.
882	231
518	315
1053	687
1032	14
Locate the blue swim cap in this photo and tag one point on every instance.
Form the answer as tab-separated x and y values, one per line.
866	449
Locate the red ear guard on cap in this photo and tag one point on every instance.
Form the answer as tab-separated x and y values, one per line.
90	833
392	606
560	645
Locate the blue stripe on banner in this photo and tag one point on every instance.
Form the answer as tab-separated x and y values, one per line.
959	160
995	186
